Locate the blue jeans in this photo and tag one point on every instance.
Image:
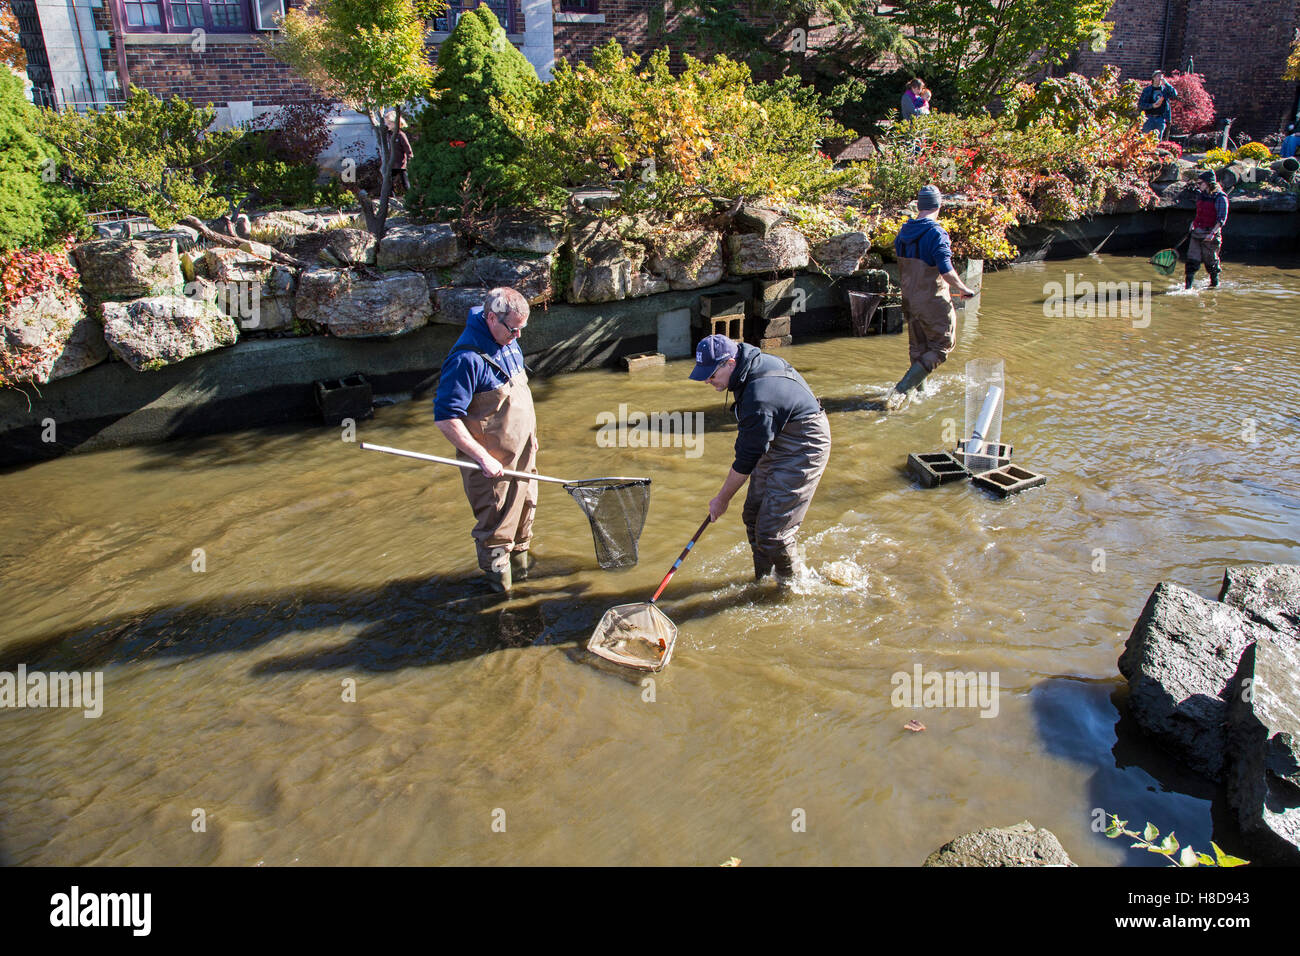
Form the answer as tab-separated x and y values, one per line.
1156	123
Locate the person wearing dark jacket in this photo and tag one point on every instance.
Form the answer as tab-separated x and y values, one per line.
1207	229
1155	103
782	448
399	153
925	274
484	408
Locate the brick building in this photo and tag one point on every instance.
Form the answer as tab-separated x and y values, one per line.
87	51
1240	46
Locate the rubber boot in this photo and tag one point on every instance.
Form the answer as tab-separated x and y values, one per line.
497	574
914	377
1214	276
1191	274
762	566
786	566
521	562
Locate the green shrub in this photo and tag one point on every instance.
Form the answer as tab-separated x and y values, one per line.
458	135
669	142
34	211
148	156
257	166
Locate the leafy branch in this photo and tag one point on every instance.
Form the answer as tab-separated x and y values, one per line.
1169	847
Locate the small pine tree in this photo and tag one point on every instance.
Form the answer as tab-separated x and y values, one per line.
34	211
459	135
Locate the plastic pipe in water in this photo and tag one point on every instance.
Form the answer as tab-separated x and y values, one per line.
975	444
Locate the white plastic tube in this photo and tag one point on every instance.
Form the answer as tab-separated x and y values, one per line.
975	444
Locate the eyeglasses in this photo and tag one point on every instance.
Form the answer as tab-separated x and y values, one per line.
514	330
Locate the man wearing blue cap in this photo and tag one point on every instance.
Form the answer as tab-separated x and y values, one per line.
781	450
925	274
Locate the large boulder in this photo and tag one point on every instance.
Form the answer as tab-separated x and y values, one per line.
1018	845
451	304
223	264
1180	660
845	254
689	259
154	331
116	270
515	232
782	250
48	336
418	247
351	307
1268	593
530	277
351	247
1264	747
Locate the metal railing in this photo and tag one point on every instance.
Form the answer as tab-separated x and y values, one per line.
81	97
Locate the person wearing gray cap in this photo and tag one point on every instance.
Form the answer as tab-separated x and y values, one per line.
485	409
925	274
782	448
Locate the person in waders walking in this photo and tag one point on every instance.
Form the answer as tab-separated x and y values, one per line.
1207	229
485	409
925	274
782	448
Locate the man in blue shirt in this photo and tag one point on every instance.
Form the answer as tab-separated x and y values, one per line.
484	408
925	274
1290	145
1155	103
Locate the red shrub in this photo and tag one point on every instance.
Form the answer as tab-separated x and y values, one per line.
1193	111
1172	148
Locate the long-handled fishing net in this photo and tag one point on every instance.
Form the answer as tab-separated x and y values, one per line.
1166	260
640	635
616	508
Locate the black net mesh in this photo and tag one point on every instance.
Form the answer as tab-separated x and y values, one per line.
616	508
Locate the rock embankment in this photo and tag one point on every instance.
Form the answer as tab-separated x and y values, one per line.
1217	685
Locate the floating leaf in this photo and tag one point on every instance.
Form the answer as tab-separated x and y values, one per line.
731	861
1204	858
914	725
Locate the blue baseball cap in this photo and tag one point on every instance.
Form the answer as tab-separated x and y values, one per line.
712	351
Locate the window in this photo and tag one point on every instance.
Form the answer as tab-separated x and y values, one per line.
578	6
503	10
185	16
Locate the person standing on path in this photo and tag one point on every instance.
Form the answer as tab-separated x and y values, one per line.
925	274
399	153
484	407
1155	103
782	448
1207	229
915	100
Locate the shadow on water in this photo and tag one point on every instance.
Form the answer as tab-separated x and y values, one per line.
1088	721
408	623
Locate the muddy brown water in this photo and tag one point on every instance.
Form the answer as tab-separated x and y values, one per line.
481	732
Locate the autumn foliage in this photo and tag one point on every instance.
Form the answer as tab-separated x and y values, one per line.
1193	111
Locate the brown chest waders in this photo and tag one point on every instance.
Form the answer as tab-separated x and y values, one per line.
504	423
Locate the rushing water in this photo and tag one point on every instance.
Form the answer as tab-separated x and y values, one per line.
1168	447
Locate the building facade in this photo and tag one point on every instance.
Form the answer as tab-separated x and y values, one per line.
1240	46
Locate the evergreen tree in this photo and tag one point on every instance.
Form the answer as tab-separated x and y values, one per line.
459	135
34	210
